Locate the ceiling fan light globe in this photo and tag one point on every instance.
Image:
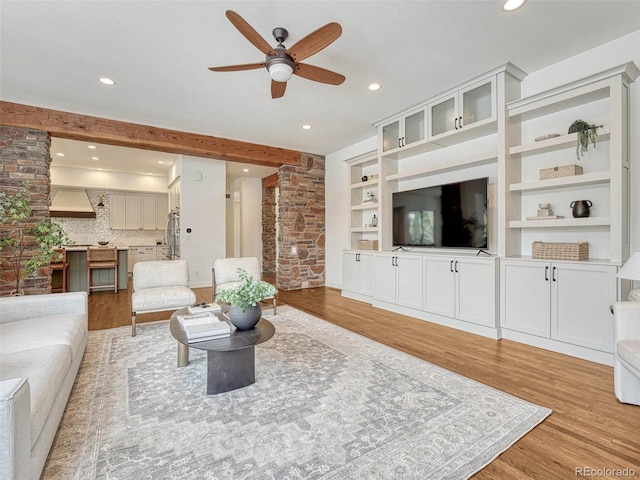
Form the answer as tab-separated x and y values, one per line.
280	72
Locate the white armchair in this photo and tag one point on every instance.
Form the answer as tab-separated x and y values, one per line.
159	286
626	367
225	273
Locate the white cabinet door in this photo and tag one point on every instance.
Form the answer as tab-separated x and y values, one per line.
148	220
476	291
133	256
385	274
409	286
581	295
117	212
350	272
407	130
439	286
366	269
525	298
134	212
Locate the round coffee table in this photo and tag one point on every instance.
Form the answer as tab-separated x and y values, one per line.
230	360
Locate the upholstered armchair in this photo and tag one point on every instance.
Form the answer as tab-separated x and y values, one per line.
159	286
626	367
225	273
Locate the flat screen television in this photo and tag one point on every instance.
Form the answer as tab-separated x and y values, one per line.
452	216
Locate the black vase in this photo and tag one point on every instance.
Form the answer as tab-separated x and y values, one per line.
581	208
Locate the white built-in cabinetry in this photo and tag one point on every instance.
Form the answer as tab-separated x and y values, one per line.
398	279
138	211
174	195
358	274
563	305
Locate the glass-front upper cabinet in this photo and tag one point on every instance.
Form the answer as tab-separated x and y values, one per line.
402	132
464	109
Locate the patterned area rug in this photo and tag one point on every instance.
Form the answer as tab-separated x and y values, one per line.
327	404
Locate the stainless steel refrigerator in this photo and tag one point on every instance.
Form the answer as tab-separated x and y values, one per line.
172	235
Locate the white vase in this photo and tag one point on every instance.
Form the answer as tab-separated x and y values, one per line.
245	320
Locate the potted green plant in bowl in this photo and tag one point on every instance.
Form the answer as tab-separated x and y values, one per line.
244	300
587	132
26	245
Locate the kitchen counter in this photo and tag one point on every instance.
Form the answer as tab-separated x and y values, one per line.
77	259
83	248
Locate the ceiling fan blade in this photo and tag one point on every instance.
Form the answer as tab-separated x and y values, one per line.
249	33
315	41
277	89
318	74
237	68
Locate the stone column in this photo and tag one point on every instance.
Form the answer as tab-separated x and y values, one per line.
269	230
301	239
24	165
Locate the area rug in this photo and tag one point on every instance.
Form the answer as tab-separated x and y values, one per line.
327	404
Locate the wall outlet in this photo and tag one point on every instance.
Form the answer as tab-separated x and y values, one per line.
294	250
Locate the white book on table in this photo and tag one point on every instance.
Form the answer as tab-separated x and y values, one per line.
205	307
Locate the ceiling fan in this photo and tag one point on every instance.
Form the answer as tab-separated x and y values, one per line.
282	63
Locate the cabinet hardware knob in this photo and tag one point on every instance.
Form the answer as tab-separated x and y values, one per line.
553	274
460	123
451	266
455	267
455	123
546	274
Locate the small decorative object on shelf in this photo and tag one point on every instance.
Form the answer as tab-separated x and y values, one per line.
545	212
367	244
563	171
581	208
374	221
587	132
546	137
560	250
371	197
364	178
373	176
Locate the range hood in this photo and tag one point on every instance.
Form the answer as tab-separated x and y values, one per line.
72	203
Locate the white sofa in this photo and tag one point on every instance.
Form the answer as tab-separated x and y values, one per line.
42	342
626	366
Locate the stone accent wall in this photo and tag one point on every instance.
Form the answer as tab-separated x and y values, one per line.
269	259
302	224
24	164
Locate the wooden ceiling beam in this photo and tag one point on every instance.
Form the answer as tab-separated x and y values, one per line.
113	132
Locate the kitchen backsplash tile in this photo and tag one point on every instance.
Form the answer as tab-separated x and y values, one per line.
91	230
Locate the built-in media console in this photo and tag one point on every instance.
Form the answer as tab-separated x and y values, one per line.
449	216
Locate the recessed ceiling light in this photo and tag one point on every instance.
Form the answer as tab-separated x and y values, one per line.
511	5
92	147
59	154
106	81
160	161
95	158
306	127
374	86
245	169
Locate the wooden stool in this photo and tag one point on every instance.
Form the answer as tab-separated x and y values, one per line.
102	257
59	263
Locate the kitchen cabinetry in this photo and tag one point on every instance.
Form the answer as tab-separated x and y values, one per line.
162	252
357	273
462	110
602	99
137	212
363	204
398	280
563	301
462	288
404	131
174	195
140	254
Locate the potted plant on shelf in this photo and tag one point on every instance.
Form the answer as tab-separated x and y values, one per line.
587	132
25	244
244	300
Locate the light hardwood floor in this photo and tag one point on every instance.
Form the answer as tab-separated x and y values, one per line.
588	428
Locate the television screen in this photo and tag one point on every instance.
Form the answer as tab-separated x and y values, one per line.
452	215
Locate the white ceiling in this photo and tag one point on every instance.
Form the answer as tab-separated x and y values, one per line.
52	53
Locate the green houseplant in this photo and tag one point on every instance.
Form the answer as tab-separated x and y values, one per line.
244	300
587	133
24	244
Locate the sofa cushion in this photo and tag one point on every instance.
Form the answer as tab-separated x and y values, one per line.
45	368
629	351
161	298
70	329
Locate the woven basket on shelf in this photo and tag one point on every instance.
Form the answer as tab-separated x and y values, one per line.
563	171
560	250
367	244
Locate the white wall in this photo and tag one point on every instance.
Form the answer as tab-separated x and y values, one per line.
203	211
606	56
83	178
249	229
